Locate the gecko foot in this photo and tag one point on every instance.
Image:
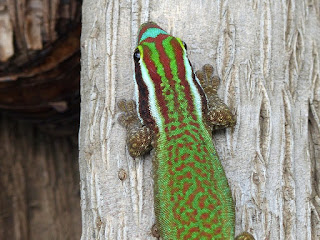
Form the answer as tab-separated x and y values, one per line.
139	137
218	115
208	81
245	236
128	117
155	231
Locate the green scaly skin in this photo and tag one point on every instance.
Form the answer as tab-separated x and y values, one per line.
192	196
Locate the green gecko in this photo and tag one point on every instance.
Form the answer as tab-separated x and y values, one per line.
174	113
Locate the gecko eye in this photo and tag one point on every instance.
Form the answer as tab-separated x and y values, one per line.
185	45
136	55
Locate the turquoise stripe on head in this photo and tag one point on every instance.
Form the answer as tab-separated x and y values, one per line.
149	30
152	33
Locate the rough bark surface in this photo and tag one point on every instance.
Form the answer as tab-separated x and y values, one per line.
27	26
40	62
39	182
267	56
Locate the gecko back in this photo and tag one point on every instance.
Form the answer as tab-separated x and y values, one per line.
192	196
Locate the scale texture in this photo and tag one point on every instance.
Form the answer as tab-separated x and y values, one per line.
192	196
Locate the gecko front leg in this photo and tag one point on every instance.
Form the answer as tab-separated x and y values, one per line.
219	115
139	137
245	236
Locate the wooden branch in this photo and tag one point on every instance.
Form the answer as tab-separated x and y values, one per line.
266	54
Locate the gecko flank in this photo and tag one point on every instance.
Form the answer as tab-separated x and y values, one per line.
176	111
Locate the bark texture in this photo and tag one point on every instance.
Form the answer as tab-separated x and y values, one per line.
39	82
27	26
39	184
40	62
267	56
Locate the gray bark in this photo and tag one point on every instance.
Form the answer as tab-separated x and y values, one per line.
267	56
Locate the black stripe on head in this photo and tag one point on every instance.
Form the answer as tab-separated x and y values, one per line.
143	105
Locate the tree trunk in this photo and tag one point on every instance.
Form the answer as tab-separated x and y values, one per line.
267	56
39	83
39	184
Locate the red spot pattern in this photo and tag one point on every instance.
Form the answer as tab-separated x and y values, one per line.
193	188
191	203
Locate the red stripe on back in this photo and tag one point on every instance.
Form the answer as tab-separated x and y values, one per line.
165	61
156	79
182	74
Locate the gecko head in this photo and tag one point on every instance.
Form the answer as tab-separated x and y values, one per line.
160	62
149	30
153	36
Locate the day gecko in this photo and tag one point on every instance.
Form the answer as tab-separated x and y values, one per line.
174	113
